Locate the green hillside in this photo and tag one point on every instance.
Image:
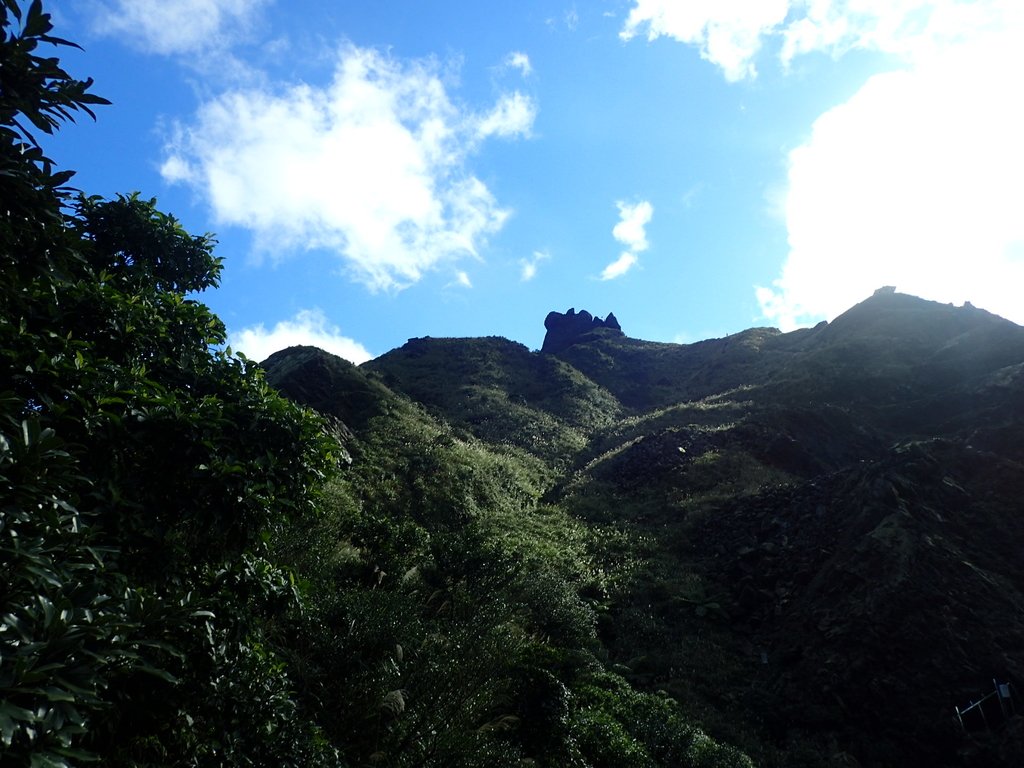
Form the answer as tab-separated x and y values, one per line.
781	550
787	501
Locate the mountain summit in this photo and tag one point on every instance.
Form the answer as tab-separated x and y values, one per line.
564	330
809	541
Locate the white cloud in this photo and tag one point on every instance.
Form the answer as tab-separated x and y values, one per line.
619	267
176	169
513	115
462	279
528	267
519	60
309	327
631	231
372	166
731	33
906	27
728	32
914	182
176	26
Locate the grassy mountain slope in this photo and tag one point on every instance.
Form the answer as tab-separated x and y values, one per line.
806	540
852	512
455	611
501	393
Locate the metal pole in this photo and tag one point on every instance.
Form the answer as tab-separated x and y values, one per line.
999	695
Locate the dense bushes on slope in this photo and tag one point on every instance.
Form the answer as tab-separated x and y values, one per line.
460	611
139	473
181	587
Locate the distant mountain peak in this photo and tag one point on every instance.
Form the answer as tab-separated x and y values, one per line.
564	330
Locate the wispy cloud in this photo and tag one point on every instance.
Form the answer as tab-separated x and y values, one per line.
915	181
728	34
732	34
309	327
631	231
373	165
907	27
528	267
572	18
619	267
513	115
177	26
519	60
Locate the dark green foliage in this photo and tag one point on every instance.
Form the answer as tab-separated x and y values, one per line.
619	726
803	539
456	615
37	95
140	473
501	393
138	246
35	88
187	581
68	623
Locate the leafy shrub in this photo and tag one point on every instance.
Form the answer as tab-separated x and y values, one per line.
140	473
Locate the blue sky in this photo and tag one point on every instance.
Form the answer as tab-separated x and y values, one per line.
376	170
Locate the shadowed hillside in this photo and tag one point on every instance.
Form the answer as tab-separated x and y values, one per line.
816	532
769	549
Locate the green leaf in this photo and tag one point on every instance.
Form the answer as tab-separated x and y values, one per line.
36	22
48	760
56	694
7	729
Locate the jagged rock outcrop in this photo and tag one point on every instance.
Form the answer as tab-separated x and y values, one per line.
564	330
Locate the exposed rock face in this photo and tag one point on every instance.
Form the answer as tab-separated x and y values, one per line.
570	328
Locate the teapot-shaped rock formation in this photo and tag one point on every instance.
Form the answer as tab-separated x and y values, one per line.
565	330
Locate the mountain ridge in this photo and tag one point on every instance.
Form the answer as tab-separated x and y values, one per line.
823	521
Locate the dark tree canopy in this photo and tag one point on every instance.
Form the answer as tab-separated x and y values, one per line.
141	469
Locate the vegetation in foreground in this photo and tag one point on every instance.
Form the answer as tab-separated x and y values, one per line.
803	545
193	574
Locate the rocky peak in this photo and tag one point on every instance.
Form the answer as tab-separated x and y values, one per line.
564	330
